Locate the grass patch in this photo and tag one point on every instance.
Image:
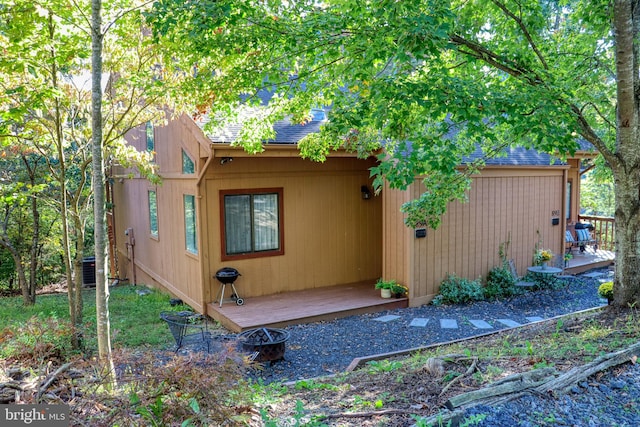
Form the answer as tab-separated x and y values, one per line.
135	320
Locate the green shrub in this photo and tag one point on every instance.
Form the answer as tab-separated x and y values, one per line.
605	290
457	290
500	284
40	338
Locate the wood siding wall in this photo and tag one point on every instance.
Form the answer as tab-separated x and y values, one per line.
161	261
331	235
503	205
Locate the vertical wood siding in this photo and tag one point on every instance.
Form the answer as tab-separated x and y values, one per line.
162	261
503	205
331	235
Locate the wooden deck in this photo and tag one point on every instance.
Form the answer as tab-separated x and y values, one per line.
588	260
302	307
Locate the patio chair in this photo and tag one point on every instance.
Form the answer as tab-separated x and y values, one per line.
520	282
584	237
186	323
569	241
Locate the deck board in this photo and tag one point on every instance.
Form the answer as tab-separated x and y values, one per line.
588	260
302	306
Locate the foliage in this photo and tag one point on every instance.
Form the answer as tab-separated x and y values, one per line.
542	255
41	338
605	290
134	317
597	196
500	283
385	284
177	392
457	290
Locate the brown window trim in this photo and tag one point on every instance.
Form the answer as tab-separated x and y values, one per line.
261	254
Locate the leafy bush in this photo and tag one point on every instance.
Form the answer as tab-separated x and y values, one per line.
605	290
457	290
500	283
38	339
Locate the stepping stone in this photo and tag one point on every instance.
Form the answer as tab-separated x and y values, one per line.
387	318
419	322
448	323
480	324
534	318
593	275
508	322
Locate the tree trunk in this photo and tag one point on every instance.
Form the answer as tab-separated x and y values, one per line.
626	170
102	289
35	237
74	316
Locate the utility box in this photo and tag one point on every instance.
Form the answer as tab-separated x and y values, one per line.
89	271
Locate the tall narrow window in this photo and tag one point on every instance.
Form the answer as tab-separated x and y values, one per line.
188	166
151	140
191	240
252	223
153	213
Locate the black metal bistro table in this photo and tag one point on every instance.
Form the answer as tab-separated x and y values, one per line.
545	275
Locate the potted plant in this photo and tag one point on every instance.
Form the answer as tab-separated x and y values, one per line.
567	257
385	287
398	290
543	256
605	290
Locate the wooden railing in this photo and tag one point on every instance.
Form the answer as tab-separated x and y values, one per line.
604	232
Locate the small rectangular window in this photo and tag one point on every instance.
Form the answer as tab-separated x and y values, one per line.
153	213
252	223
191	240
188	167
151	140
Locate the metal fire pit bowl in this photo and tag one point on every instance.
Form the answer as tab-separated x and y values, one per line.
269	343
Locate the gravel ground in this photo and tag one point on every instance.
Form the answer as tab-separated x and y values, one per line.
324	348
610	400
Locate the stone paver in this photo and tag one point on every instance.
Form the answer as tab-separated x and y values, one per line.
534	318
480	324
387	318
508	322
594	275
448	323
419	322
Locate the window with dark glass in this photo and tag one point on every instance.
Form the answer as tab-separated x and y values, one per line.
252	222
188	167
153	213
191	240
151	141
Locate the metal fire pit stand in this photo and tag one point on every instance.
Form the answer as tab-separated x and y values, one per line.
227	276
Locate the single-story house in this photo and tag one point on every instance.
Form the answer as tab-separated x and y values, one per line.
289	224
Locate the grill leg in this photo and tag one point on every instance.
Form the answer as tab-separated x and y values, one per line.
221	293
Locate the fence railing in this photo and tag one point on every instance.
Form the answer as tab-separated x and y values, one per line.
604	230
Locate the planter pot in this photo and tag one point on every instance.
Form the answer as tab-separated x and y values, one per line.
385	293
544	265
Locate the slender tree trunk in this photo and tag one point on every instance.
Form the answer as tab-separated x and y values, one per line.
35	238
17	260
73	293
627	172
102	289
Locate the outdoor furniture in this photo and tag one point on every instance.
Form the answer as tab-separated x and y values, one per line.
584	237
545	275
519	281
186	323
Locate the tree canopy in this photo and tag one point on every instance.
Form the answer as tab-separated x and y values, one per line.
428	82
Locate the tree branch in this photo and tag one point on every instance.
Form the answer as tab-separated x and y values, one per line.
524	30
